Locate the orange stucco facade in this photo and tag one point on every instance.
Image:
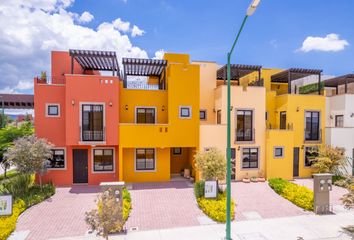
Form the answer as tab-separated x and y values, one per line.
70	92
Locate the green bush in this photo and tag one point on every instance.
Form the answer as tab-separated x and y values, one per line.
37	194
127	204
18	186
8	223
299	195
9	174
216	208
199	189
310	88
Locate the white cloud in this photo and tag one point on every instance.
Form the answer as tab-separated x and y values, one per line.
30	29
136	31
121	25
86	17
159	54
329	43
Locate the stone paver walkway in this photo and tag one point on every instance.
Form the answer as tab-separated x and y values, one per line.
60	216
258	200
163	205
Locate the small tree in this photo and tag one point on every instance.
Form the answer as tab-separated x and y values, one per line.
30	155
107	218
329	160
211	164
348	199
8	135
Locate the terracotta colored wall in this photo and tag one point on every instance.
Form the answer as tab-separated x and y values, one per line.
65	177
91	89
61	65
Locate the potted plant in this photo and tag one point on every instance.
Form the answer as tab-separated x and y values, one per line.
253	179
187	172
260	176
246	179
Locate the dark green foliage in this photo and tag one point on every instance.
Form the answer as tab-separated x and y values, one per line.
310	88
199	189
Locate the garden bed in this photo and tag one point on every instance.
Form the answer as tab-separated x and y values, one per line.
299	195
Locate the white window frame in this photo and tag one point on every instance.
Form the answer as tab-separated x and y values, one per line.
65	162
205	114
47	105
93	160
190	112
258	160
104	123
155	158
282	152
136	114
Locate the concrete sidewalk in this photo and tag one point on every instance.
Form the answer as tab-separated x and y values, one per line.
306	227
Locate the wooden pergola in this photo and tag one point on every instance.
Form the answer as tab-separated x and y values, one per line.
145	67
293	74
95	60
341	80
238	71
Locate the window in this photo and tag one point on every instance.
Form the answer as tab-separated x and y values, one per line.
53	110
202	115
177	151
103	160
312	130
57	160
250	158
185	112
278	152
92	122
244	131
145	159
218	117
339	120
145	115
282	120
310	154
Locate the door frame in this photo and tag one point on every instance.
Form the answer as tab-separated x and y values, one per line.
298	162
80	149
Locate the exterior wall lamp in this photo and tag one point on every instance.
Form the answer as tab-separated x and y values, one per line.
352	115
73	102
163	108
110	103
126	107
297	109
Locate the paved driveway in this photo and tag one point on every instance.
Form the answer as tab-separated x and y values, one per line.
62	215
163	205
258	200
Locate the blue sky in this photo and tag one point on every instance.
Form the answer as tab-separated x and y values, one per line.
282	33
205	29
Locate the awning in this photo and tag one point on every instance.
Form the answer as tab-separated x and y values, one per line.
143	67
341	80
294	74
96	60
237	71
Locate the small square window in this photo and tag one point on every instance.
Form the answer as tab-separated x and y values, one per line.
278	152
185	112
177	151
202	115
53	110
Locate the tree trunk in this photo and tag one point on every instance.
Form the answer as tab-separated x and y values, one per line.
40	180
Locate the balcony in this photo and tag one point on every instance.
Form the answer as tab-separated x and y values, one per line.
245	136
312	136
92	135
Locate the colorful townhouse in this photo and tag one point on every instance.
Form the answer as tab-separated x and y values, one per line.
340	116
248	109
104	128
295	123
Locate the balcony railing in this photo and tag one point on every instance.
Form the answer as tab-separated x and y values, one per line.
50	80
288	127
312	136
92	135
245	136
142	86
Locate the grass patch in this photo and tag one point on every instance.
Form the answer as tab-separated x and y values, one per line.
299	195
25	194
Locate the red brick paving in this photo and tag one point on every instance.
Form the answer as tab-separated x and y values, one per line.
163	205
60	216
260	198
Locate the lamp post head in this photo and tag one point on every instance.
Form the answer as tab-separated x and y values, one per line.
252	8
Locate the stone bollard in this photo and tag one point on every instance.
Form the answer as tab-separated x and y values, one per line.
322	185
116	188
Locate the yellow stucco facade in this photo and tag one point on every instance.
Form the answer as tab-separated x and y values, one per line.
169	131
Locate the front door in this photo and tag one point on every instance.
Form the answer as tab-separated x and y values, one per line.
80	171
296	162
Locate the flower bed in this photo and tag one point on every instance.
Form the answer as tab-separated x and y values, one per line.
299	195
213	208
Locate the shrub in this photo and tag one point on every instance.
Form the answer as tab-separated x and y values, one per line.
216	208
299	195
127	204
8	223
199	189
310	88
18	186
10	174
38	194
329	160
348	199
211	164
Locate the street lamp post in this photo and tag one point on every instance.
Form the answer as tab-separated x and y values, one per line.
251	9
